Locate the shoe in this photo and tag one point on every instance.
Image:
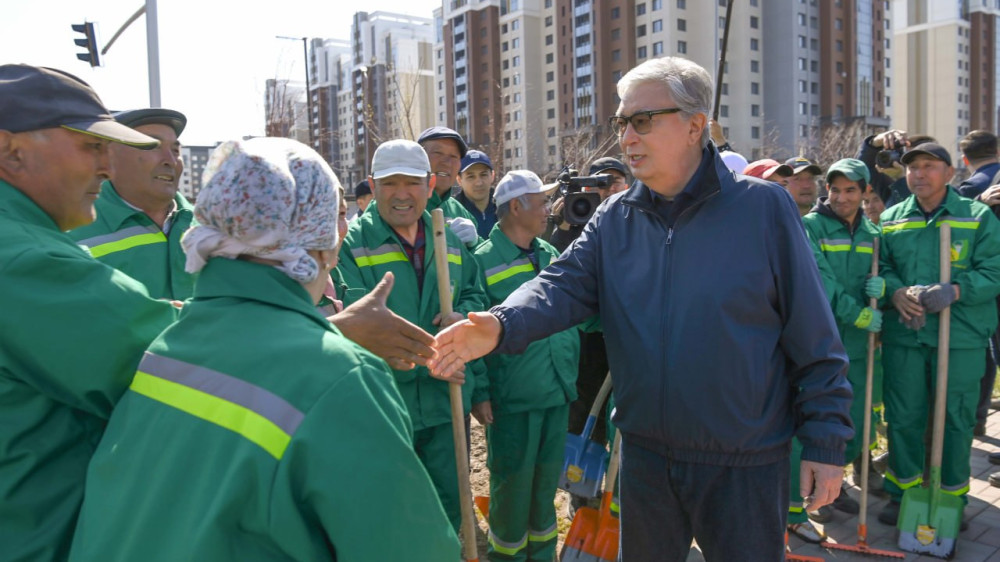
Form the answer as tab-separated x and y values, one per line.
979	430
807	532
889	514
846	503
821	515
995	479
994	458
880	463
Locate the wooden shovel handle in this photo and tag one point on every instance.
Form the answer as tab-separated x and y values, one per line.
455	394
944	329
602	395
867	424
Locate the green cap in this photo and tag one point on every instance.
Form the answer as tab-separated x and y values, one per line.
851	168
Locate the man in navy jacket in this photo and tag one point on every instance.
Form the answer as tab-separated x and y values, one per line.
720	339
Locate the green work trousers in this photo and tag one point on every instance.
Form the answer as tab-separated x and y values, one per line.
856	375
910	379
796	507
525	455
435	446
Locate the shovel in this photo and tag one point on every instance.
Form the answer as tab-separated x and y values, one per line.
929	520
593	537
469	549
583	466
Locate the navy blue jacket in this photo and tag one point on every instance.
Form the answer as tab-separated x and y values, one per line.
485	220
720	338
979	181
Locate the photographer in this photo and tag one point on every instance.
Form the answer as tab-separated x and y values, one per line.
565	232
881	153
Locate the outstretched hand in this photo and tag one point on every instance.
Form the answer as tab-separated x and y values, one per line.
819	484
371	324
464	341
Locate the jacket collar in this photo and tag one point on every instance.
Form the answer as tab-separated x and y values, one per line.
223	277
822	207
376	231
508	251
115	211
949	204
15	204
708	180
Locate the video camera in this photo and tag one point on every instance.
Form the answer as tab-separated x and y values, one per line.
886	158
579	206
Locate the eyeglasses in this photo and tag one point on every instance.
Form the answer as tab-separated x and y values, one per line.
642	121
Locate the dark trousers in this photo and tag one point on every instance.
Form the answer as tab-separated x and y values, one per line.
989	379
735	513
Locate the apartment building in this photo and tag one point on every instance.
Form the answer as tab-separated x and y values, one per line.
195	158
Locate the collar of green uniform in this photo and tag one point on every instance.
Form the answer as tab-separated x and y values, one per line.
376	231
14	200
823	208
223	277
115	211
910	206
437	200
506	249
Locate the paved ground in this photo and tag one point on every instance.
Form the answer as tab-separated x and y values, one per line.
979	543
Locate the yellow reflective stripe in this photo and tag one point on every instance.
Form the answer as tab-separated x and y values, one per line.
508	548
126	243
863	249
369	261
223	413
542	536
835	248
967	225
904	225
962	490
452	258
903	485
508	273
794	509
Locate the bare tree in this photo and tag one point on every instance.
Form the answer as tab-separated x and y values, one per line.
839	140
581	146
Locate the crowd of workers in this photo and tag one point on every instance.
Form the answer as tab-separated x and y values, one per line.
255	377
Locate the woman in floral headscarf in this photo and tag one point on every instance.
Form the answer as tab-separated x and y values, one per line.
253	429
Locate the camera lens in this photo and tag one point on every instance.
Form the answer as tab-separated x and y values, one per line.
581	208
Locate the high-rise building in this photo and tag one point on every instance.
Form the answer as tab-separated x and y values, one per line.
326	57
285	113
984	54
195	158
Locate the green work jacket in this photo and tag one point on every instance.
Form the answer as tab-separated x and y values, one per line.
128	240
253	430
370	250
844	255
545	374
909	256
72	331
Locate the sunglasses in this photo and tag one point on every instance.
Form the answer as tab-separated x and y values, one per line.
642	121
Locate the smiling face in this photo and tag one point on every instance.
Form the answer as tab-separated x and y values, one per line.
401	199
845	197
927	177
673	138
60	170
446	159
149	179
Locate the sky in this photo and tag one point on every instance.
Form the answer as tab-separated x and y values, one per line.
215	55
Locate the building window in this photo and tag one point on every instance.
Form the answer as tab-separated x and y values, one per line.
755	132
754	110
515	43
802	18
754	66
681	4
641	53
802	63
656	5
616	34
803	108
548	39
755	88
548	21
616	55
802	41
504	46
550	95
682	24
723	111
640	9
550	113
516	62
754	44
682	47
658	48
550	76
657	26
616	13
640	31
754	22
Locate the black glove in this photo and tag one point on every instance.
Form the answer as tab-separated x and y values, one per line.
935	298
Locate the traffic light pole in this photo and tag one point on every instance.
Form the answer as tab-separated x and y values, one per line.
153	53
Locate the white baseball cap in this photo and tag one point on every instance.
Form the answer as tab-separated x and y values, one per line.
400	156
516	183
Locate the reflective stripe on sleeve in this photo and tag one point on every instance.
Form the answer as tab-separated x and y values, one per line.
383	254
505	271
903	224
454	255
123	240
827	245
260	416
971	223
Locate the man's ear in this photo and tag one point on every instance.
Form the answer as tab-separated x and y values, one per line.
11	155
698	123
371	184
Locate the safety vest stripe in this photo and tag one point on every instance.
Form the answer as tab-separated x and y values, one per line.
542	536
123	240
454	256
505	271
966	224
377	256
905	483
835	248
251	411
508	548
863	249
959	490
795	509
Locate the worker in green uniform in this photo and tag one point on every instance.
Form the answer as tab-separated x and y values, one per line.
254	430
445	149
527	415
398	238
909	264
141	215
842	239
72	329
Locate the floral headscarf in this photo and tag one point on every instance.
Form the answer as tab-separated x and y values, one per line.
272	198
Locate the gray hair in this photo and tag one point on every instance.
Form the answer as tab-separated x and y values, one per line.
503	209
689	85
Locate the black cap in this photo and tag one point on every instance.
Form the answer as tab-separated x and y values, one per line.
362	189
153	115
802	164
444	133
932	149
34	98
607	163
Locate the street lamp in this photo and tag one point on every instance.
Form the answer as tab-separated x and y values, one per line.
309	103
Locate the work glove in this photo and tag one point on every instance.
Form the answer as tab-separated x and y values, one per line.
935	298
875	287
870	319
464	229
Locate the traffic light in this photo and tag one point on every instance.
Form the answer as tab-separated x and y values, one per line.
89	42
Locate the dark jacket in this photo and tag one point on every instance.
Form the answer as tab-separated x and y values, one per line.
979	181
485	220
720	339
889	190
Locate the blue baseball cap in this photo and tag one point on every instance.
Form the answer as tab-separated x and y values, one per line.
444	133
474	157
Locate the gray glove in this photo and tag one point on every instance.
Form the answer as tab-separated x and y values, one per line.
464	229
935	298
915	323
